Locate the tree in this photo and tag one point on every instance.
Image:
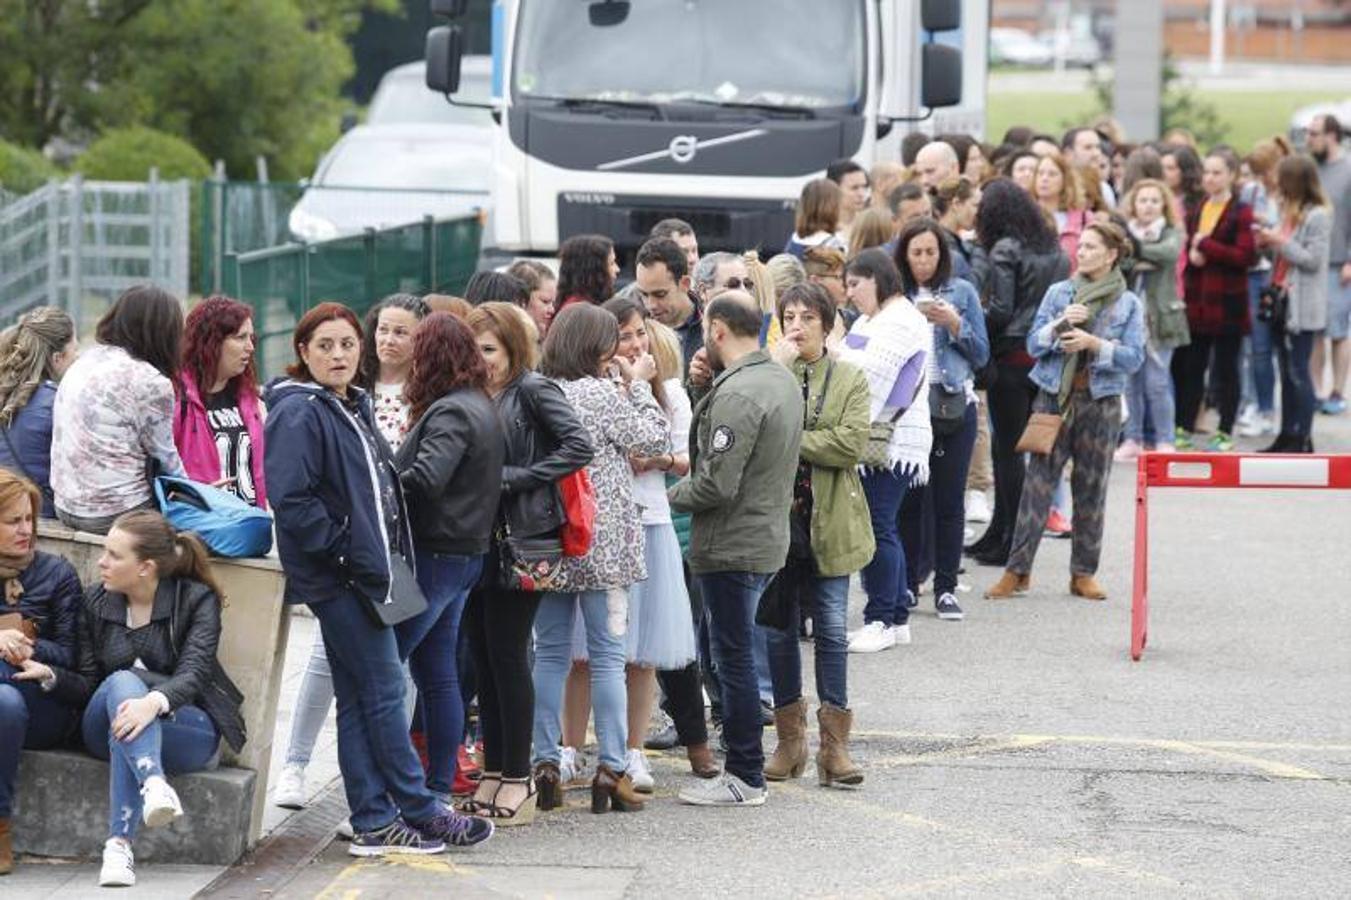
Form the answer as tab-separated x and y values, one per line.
128	154
237	79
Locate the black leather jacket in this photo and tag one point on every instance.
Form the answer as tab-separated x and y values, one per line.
545	441
1017	280
177	646
450	465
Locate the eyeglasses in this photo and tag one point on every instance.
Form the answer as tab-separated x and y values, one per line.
736	283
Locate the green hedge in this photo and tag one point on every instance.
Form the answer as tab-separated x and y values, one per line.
128	154
23	169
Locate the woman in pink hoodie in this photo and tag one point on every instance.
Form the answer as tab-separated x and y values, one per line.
218	421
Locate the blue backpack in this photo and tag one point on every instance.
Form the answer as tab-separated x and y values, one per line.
227	525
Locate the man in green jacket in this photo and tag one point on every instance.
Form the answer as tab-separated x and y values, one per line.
743	456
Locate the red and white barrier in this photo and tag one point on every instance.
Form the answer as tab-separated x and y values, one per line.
1217	470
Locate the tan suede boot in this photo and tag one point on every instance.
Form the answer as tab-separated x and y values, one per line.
1010	584
790	755
6	849
833	765
1086	586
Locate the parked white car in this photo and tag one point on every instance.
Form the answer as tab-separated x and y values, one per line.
1015	47
417	155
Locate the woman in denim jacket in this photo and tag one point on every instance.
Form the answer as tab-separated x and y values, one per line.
933	518
1088	339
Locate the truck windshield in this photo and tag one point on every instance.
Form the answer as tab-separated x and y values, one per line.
776	53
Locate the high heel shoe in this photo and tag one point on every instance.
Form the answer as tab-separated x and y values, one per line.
488	785
522	814
611	791
548	787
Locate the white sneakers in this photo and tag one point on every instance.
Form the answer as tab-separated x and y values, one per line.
1256	424
900	633
977	507
159	803
872	638
571	767
637	769
290	792
119	866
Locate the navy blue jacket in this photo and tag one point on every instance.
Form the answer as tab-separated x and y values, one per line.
51	598
324	491
31	435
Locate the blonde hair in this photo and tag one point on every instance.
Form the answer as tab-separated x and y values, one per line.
27	349
1169	203
785	270
764	293
872	228
1071	196
448	303
14	486
665	346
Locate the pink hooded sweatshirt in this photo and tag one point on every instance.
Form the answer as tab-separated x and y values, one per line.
197	445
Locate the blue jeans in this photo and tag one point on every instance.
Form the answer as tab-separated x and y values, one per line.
1259	382
832	647
381	773
884	579
1149	396
1297	395
730	599
30	719
183	741
430	642
553	659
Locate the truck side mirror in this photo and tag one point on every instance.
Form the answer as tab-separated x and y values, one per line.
608	13
940	76
940	15
445	53
448	9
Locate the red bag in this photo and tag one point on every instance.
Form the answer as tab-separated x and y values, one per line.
579	509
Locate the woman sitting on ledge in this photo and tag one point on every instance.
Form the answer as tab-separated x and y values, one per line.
158	700
39	607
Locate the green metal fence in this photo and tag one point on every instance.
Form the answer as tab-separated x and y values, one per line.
282	283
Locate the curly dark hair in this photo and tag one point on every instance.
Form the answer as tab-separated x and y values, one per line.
208	325
1007	210
370	360
584	268
445	357
1189	165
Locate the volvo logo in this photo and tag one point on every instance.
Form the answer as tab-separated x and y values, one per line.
683	148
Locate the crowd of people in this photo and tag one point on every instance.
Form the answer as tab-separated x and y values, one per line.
621	498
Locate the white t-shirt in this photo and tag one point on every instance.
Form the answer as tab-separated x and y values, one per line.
649	488
391	412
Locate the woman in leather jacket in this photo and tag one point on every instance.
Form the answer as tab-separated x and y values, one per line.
1024	259
544	442
158	700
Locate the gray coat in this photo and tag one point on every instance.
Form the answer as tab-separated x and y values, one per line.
1307	277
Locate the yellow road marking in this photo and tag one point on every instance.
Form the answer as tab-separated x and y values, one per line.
438	865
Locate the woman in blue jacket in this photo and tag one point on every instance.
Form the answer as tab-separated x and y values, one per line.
39	609
1088	338
340	513
34	353
933	518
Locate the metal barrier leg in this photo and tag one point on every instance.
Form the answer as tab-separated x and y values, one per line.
1140	586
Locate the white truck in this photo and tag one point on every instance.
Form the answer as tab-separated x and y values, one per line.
613	115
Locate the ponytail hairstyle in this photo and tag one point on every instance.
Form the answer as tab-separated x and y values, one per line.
176	554
27	356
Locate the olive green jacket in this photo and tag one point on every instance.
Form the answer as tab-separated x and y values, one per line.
743	458
842	533
1165	312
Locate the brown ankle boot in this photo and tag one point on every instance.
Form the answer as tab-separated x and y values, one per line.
790	755
611	791
702	762
833	765
6	849
1086	586
1010	584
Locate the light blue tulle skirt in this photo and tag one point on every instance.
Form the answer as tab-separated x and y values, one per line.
660	630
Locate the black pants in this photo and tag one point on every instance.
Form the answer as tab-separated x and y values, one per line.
1298	401
1189	378
683	688
498	623
931	528
1010	397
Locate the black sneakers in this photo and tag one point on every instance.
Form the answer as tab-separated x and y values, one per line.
456	829
396	837
947	608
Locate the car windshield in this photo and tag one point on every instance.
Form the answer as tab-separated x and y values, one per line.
790	53
397	163
404	99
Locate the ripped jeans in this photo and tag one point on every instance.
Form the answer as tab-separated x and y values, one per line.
184	741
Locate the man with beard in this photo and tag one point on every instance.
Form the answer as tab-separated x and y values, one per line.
1334	172
743	458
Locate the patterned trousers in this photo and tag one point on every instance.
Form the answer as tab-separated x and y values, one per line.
1089	439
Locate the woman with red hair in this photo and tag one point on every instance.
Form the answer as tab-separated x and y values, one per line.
218	424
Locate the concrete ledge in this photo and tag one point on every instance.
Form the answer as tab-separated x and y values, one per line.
61	809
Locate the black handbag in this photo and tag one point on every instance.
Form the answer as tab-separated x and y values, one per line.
530	564
947	412
405	599
1273	305
788	591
